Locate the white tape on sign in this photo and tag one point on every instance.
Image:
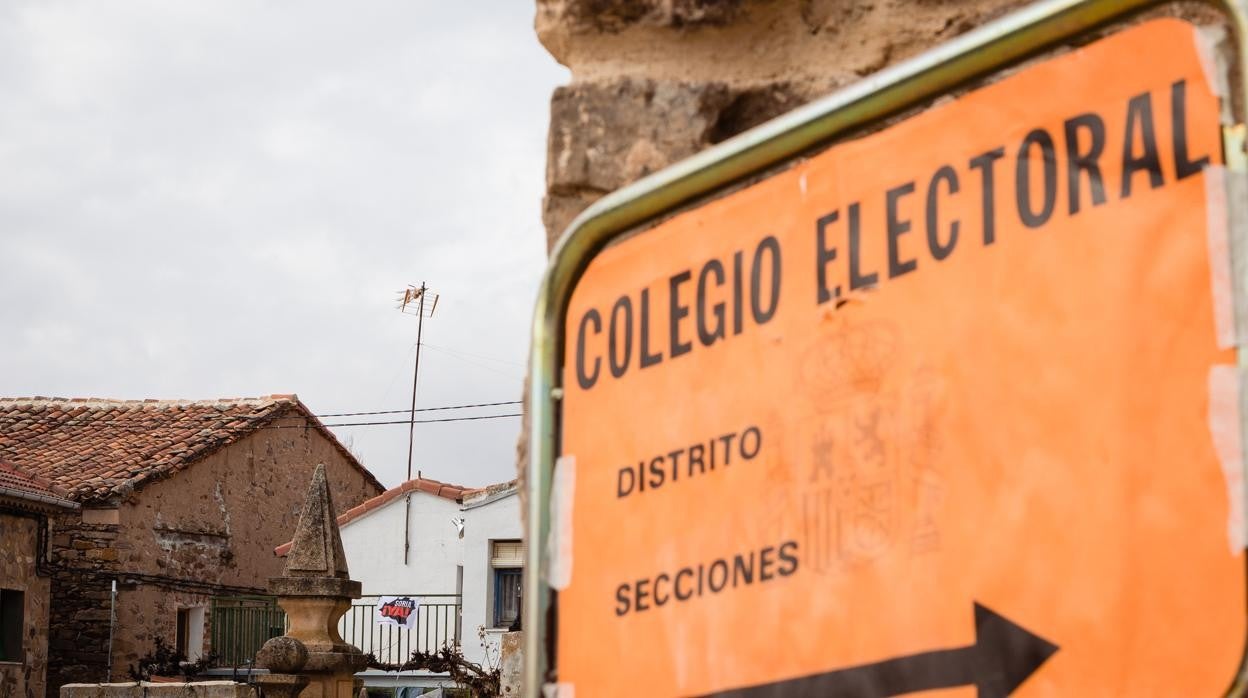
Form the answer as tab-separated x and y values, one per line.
1211	45
1224	428
1219	246
559	542
558	690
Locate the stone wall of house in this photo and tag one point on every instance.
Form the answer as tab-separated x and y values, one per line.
84	559
18	571
208	530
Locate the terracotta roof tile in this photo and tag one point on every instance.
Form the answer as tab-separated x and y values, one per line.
12	478
95	448
455	493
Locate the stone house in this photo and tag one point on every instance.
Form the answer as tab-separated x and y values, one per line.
179	503
26	503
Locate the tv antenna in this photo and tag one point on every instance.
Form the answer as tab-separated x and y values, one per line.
420	302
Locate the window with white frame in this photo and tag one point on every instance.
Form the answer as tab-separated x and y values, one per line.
190	633
507	566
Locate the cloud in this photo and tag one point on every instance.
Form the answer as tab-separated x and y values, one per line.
220	199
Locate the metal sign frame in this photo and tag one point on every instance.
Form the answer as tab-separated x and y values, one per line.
974	55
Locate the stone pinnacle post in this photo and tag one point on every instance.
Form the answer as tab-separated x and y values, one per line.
315	590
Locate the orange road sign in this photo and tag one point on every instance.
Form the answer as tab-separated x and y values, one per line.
949	407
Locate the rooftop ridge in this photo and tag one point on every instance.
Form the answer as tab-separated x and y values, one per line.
260	399
100	448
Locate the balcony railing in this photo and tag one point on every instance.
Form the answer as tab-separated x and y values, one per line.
436	625
240	625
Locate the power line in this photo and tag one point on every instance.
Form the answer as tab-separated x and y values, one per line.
208	417
479	356
405	421
472	362
148	425
420	409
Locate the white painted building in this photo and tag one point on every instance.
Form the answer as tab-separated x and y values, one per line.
463	560
372	536
493	557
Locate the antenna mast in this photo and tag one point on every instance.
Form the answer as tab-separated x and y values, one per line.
414	296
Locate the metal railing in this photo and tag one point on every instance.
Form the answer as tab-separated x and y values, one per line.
437	624
240	625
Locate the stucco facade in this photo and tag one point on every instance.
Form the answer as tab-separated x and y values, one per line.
206	530
488	517
374	546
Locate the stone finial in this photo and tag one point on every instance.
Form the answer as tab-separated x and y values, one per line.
316	550
282	655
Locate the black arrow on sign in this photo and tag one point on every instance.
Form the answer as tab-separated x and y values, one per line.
1003	656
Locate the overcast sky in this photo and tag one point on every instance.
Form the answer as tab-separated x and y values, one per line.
219	199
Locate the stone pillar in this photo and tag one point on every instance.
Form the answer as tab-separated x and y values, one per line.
655	81
511	665
315	589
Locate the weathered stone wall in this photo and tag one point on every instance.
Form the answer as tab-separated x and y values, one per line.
20	533
84	558
206	531
655	81
202	689
511	665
